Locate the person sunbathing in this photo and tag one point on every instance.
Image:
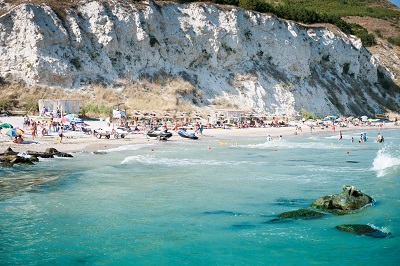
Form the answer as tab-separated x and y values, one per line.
18	140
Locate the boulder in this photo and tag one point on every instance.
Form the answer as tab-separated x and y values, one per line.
49	153
40	154
57	153
349	200
362	229
9	151
9	160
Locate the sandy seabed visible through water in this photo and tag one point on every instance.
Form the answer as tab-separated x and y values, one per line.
207	201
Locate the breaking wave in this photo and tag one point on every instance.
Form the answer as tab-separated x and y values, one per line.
132	147
386	161
151	160
293	145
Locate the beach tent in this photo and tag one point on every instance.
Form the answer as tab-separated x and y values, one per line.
119	114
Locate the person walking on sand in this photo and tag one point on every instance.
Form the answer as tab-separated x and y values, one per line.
61	134
201	129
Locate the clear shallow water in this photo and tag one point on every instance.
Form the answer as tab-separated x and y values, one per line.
201	202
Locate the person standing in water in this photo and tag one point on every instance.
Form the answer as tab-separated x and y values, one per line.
380	138
340	135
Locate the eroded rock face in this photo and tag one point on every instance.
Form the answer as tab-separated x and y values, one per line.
252	60
349	200
362	229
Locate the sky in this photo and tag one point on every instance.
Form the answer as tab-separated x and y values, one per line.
396	2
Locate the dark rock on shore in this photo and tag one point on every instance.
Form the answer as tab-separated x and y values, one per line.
349	200
49	153
10	157
362	229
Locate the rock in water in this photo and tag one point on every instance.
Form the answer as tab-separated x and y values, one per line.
349	200
362	229
301	213
55	152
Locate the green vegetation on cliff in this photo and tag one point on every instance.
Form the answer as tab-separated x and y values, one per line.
317	11
303	11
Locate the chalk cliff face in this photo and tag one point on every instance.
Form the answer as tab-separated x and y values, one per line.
255	61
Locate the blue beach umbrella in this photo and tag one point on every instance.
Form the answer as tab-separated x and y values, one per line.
13	132
5	125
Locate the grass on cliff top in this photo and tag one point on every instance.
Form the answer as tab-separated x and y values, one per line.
172	95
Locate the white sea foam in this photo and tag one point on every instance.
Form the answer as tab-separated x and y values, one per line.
152	160
293	145
385	161
133	147
382	229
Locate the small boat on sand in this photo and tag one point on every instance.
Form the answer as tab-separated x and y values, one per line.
184	134
160	135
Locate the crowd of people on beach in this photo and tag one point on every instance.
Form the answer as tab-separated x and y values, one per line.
49	124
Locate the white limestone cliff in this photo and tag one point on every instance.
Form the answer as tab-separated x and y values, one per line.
255	61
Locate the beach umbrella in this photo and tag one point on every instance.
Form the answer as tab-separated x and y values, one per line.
5	125
12	132
63	119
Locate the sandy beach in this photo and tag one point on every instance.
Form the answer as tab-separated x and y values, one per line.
78	141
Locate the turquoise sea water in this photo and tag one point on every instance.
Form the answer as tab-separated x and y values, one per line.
205	202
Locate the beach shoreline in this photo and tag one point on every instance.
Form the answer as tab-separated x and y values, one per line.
80	142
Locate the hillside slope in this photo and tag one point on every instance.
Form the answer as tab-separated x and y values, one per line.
251	61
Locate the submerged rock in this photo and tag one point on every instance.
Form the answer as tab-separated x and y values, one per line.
349	200
301	213
362	229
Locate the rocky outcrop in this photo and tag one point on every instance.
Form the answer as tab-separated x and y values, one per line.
49	153
250	60
362	229
10	157
349	200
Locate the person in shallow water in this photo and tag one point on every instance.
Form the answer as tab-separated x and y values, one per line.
380	138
